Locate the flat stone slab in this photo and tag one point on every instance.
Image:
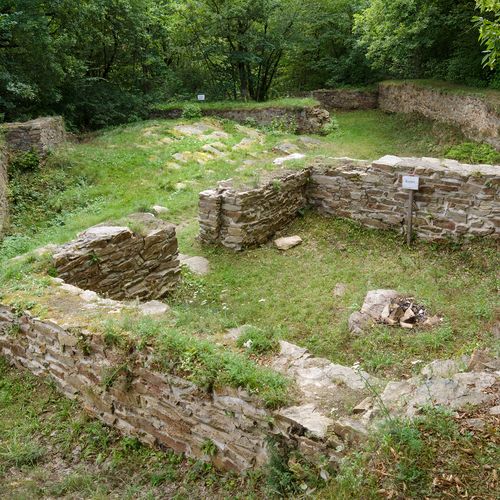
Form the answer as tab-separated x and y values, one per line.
287	242
292	157
197	265
194	129
153	308
158	209
309	417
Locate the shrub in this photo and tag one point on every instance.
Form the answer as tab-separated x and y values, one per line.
26	161
331	127
283	124
472	152
191	110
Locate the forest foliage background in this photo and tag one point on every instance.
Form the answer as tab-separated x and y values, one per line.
104	62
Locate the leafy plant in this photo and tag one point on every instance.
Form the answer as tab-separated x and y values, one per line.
209	448
191	110
331	127
25	161
473	152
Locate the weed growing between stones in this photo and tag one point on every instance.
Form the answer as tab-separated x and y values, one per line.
200	361
50	448
289	474
438	454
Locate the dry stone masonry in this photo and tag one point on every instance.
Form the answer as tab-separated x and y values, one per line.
240	219
120	263
454	200
159	409
335	404
306	119
347	99
42	134
475	116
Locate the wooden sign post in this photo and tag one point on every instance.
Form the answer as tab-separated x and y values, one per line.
410	183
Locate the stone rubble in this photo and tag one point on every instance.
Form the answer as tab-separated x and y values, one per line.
391	308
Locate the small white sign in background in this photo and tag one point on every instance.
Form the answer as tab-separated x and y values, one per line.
411	182
201	97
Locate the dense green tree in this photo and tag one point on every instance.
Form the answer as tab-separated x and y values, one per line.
325	52
422	39
241	43
101	62
489	31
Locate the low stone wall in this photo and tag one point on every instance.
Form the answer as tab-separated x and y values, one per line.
126	392
4	202
346	99
123	264
42	134
477	119
454	200
308	120
240	219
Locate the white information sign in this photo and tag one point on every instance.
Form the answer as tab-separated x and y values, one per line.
201	97
411	182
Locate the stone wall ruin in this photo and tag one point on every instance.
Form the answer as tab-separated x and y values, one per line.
241	219
306	119
346	99
474	115
41	135
157	408
120	263
454	200
126	391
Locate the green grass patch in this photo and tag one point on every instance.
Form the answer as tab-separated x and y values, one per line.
258	341
433	456
201	361
287	102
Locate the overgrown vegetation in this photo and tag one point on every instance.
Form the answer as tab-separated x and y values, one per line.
472	152
436	455
284	295
50	448
198	360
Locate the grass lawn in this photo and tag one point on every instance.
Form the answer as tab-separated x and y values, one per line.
286	102
287	295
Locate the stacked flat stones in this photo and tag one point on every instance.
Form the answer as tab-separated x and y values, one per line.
242	219
454	200
308	119
122	264
347	99
42	134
